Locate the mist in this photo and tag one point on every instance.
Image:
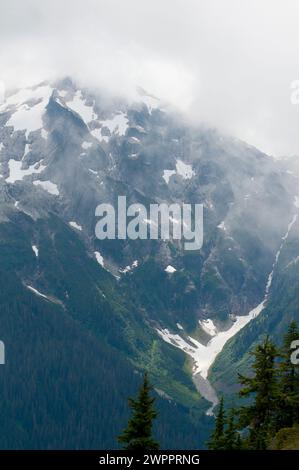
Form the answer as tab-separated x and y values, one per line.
228	64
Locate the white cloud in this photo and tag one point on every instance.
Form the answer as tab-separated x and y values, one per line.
229	63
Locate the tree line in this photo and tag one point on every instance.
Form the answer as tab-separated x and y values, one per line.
271	392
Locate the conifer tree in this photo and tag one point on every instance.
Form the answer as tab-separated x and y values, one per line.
288	394
239	442
231	435
259	415
217	440
138	433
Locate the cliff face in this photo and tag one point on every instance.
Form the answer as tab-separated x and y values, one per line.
63	151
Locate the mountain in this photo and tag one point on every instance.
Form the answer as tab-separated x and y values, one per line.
280	309
81	318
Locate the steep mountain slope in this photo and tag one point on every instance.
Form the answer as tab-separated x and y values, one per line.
63	151
281	308
64	384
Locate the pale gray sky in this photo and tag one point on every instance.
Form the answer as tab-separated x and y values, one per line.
229	63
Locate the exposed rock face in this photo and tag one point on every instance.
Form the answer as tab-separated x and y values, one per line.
63	151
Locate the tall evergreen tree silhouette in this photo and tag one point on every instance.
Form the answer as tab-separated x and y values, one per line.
217	440
259	415
232	440
138	433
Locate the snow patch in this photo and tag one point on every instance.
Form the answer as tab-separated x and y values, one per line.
27	150
184	170
16	173
79	106
167	174
170	269
97	133
25	117
35	250
129	268
48	186
26	94
35	291
205	355
135	140
99	258
74	224
202	355
118	124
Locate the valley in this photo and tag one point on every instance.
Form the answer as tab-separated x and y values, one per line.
134	305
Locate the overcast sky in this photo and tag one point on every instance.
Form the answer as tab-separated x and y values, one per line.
229	63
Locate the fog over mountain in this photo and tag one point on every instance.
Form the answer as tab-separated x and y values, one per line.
172	102
149	303
228	63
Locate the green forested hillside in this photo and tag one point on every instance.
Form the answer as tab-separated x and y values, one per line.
67	377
